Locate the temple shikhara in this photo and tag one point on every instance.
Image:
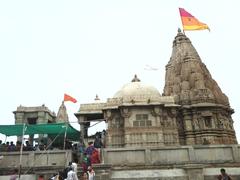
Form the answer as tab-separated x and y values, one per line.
184	132
192	109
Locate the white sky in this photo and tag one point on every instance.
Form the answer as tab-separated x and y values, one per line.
84	48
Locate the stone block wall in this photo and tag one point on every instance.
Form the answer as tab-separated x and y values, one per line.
173	155
168	163
36	158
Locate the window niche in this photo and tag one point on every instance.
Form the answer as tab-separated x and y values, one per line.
142	121
208	121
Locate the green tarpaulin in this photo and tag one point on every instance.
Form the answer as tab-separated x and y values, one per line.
54	129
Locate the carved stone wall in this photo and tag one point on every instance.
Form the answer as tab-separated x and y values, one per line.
141	126
115	135
205	113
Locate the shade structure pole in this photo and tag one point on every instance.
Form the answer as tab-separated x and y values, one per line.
65	137
21	150
5	139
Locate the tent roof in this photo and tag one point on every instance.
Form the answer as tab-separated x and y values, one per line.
53	128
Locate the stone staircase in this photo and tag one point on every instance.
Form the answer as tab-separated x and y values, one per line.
102	171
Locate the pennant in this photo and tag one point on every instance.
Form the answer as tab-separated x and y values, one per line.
69	98
190	23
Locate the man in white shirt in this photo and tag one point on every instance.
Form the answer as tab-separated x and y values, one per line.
71	175
74	167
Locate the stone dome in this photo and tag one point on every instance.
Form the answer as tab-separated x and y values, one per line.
137	91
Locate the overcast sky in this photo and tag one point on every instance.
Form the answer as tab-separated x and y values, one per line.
84	48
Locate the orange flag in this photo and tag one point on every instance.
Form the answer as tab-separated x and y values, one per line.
190	23
69	98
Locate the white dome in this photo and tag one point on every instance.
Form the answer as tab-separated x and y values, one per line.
137	91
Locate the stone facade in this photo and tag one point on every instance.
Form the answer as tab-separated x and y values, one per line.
192	109
137	116
39	115
141	126
205	113
34	115
167	163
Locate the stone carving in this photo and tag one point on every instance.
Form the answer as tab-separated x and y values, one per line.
125	112
157	111
180	124
185	67
108	115
196	125
188	79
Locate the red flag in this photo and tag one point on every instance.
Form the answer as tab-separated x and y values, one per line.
69	98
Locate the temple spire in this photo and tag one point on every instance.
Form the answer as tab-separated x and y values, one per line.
188	78
62	115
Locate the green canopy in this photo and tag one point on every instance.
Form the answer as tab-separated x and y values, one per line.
53	128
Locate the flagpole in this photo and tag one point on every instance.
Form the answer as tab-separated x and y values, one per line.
181	21
65	136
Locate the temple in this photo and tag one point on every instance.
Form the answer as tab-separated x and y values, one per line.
191	110
184	133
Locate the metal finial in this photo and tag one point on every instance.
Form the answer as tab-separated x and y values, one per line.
96	98
135	79
179	30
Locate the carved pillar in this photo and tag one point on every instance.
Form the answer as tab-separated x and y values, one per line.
41	117
19	119
108	117
174	125
173	114
157	113
83	130
125	113
195	123
187	120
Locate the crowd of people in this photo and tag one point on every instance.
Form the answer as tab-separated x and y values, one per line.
90	155
70	173
11	147
47	144
8	147
85	156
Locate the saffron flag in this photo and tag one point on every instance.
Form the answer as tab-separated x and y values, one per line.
69	98
190	23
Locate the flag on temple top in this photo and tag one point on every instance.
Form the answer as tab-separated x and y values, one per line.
190	23
69	98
